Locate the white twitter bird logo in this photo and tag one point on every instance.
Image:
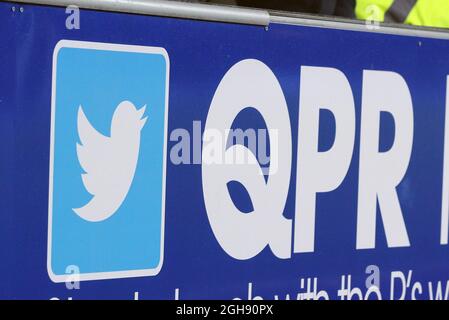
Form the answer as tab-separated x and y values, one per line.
109	162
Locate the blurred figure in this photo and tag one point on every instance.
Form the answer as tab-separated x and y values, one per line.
429	13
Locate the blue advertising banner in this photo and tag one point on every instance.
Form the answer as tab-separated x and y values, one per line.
160	158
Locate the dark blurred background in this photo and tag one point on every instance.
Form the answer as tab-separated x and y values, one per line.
342	8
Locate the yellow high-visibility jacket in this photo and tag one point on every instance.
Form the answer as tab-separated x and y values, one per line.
430	13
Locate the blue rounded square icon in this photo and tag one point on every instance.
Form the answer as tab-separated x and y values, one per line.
107	161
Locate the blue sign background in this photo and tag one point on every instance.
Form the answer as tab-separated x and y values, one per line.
200	54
